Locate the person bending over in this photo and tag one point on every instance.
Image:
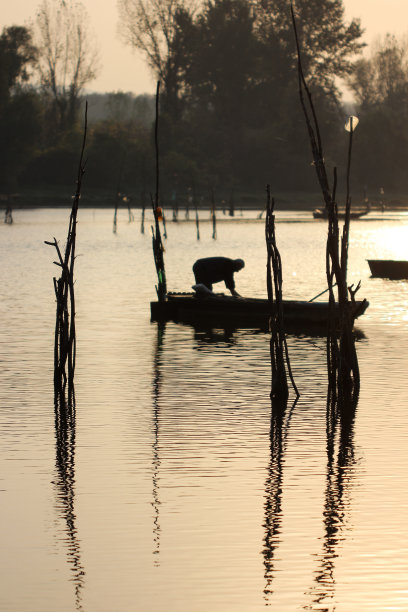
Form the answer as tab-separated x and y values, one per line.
212	270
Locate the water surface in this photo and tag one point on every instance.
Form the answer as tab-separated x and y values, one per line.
172	488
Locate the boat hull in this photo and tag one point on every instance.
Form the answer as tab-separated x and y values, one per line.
388	268
323	214
227	311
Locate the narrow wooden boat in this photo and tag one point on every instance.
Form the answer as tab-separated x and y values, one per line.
319	213
228	311
388	268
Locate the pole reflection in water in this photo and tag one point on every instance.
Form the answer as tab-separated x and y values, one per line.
340	460
157	376
65	489
273	491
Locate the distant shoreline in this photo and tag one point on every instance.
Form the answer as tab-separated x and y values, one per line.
305	201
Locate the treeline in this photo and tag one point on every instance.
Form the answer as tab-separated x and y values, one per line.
119	128
118	145
41	127
230	117
230	114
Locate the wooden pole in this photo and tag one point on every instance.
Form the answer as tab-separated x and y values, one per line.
342	362
197	220
143	195
213	215
278	346
118	196
8	213
158	249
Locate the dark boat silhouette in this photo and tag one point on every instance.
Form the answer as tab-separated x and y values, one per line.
319	213
223	310
388	268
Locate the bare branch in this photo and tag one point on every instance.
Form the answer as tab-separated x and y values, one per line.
68	57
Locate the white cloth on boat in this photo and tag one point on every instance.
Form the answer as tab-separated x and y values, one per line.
201	289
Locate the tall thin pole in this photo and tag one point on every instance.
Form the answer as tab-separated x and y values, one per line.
157	241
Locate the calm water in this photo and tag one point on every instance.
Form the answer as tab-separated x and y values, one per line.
168	493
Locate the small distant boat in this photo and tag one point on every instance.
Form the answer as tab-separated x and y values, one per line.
388	268
319	213
227	311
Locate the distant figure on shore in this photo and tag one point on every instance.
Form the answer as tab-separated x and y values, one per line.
212	270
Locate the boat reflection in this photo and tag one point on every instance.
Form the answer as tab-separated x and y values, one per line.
210	334
226	335
65	490
214	336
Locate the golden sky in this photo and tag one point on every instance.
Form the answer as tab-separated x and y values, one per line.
379	16
124	70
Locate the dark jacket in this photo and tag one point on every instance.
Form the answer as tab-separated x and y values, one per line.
214	270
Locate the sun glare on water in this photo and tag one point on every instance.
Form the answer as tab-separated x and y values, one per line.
393	242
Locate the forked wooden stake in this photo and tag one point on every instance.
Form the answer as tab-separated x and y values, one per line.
278	346
65	336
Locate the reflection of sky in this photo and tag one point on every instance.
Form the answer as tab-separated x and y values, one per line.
198	481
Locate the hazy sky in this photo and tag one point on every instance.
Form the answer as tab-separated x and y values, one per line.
125	70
